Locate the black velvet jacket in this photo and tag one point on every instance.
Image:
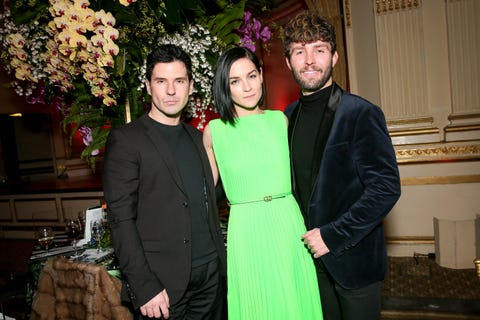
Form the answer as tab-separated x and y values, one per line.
356	186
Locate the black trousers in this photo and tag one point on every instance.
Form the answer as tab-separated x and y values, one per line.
205	297
347	304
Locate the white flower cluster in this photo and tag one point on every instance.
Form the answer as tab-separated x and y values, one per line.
199	44
35	40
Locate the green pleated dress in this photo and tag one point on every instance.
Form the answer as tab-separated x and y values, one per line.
271	274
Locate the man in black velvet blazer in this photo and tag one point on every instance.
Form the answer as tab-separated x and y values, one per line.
161	203
345	174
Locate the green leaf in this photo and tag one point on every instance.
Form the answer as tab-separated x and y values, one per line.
25	14
224	24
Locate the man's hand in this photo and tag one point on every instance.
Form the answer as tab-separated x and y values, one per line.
157	306
314	242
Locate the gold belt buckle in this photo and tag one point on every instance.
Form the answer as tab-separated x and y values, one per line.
267	198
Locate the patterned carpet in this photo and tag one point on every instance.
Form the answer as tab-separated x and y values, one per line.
418	288
414	289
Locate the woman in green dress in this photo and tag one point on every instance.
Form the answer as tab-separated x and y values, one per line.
270	272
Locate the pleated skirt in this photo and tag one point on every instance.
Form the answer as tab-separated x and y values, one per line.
271	274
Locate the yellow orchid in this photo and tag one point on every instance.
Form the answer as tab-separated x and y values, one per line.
106	61
97	92
16	40
24	72
55	62
61	22
21	74
111	48
18	53
63	38
95	53
52	48
126	3
110	33
65	86
65	49
99	82
102	73
89	76
98	40
108	91
106	18
83	19
51	28
89	67
81	3
109	101
83	55
15	62
58	8
77	40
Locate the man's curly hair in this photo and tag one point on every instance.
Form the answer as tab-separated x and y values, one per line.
308	27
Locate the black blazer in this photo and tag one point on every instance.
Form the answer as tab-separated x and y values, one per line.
356	186
148	211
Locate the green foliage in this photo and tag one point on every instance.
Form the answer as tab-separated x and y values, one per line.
223	24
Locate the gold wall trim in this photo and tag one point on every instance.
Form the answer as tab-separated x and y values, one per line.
411	240
464	116
389	6
413	132
438	154
418	181
463	128
409	121
348	16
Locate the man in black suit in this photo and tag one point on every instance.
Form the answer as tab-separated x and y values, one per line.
345	174
161	203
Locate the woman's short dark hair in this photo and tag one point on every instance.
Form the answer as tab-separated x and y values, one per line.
165	53
221	82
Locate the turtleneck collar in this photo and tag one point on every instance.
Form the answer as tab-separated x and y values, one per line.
317	98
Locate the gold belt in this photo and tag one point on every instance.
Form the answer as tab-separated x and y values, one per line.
265	199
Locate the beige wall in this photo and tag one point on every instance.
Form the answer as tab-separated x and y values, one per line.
420	64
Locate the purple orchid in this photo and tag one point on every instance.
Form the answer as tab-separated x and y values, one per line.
251	30
87	138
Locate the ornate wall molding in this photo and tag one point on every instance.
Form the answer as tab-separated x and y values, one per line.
438	153
347	13
464	117
421	181
409	122
389	6
463	128
414	131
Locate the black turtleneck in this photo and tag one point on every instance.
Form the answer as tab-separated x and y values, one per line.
190	166
304	139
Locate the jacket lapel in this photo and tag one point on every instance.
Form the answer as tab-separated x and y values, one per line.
325	127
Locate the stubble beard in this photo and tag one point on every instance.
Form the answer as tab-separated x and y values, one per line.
312	85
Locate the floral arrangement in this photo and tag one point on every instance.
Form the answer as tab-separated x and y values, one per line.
87	58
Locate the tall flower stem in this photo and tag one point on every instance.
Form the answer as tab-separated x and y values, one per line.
128	115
